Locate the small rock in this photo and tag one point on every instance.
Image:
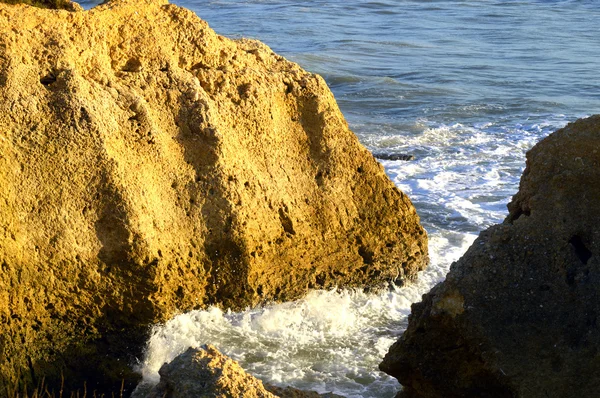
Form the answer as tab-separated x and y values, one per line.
393	156
206	372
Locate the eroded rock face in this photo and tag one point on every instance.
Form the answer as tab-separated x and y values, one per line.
518	313
150	166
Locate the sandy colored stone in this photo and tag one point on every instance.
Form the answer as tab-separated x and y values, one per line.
527	323
149	166
206	372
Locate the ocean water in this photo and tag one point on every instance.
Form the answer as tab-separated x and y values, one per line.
467	87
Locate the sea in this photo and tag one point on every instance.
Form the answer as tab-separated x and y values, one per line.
467	88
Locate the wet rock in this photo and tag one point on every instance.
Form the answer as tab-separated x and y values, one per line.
149	166
291	392
206	372
518	314
68	5
393	156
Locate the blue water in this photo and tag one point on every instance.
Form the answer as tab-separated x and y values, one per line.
465	86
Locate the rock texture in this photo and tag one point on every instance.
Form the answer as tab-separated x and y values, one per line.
52	4
291	392
206	372
150	166
518	315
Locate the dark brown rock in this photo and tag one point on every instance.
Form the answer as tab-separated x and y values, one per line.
50	4
518	314
149	166
393	156
291	392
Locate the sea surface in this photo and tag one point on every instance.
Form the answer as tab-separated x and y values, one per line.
467	87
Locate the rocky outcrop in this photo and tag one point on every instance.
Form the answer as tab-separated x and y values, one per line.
517	316
205	372
150	166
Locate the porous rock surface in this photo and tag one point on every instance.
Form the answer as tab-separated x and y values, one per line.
68	5
150	166
206	372
517	315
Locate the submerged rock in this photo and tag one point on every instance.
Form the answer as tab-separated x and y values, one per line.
206	372
149	166
517	315
393	156
291	392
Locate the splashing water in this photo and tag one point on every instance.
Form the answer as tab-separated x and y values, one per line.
328	341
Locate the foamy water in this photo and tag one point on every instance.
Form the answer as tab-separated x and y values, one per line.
328	341
465	174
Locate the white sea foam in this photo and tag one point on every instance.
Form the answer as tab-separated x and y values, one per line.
328	341
463	175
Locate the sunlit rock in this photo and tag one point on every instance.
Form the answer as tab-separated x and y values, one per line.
149	166
206	372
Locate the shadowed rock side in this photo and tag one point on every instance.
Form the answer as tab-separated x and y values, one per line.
150	166
51	4
205	372
518	314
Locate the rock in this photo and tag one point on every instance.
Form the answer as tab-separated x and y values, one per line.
393	156
149	166
517	315
51	4
206	372
291	392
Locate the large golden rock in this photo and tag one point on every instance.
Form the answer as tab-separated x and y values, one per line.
150	166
